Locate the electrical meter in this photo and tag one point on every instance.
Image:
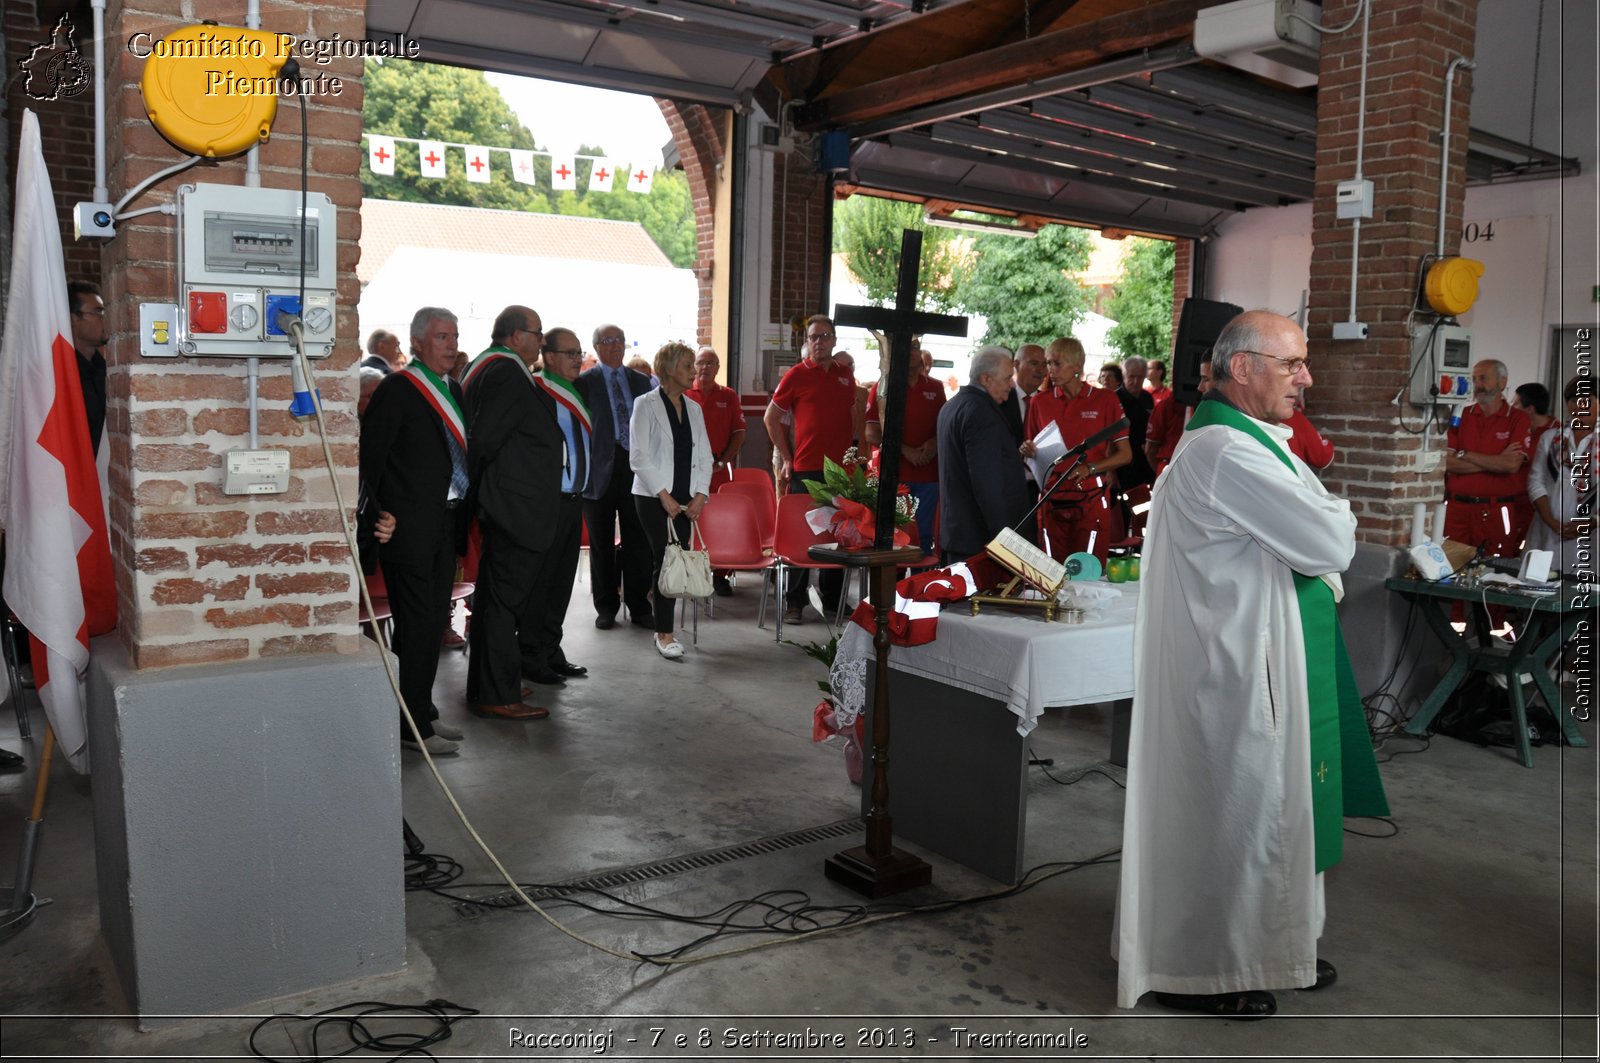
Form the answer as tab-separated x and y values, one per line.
1441	365
241	255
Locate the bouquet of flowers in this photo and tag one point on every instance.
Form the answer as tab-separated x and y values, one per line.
847	498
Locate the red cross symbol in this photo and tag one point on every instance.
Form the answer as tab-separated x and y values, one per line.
640	176
477	163
563	172
383	156
431	159
522	167
602	175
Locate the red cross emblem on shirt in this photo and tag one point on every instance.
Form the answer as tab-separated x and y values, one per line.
431	159
602	174
477	163
383	156
563	173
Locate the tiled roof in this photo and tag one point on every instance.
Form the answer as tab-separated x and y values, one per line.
387	224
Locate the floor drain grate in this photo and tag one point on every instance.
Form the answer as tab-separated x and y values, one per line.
675	865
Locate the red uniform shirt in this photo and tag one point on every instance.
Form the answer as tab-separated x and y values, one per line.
1079	418
823	403
1166	426
924	399
1159	394
720	405
1480	433
1307	443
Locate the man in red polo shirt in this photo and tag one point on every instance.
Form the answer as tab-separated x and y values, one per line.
724	428
1168	422
821	397
1079	515
919	446
1487	450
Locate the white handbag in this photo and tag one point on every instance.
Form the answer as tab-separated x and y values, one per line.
685	572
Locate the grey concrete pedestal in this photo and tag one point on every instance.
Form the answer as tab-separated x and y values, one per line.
247	827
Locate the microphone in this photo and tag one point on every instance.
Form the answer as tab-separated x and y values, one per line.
1092	442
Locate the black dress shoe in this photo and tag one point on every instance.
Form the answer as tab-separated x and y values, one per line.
547	676
605	623
10	761
570	670
639	620
1250	1004
1326	976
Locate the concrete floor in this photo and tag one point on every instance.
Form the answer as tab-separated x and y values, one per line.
1468	934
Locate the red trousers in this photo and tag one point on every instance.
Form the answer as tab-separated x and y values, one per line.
1089	525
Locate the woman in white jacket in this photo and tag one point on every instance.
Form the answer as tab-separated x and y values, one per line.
671	458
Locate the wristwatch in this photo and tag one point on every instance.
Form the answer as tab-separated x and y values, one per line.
1461	453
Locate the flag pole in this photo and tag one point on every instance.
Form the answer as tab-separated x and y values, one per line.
23	904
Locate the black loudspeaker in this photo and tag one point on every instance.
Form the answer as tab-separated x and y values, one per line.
1202	322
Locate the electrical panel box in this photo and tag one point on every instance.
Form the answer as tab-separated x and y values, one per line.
1441	365
241	253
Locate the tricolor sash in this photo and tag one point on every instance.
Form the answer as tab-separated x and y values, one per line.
565	392
489	356
1344	771
438	396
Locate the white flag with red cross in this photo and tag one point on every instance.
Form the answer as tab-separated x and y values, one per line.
564	174
640	178
380	154
430	158
601	173
478	169
522	166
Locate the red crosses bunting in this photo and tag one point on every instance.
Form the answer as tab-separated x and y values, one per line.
601	174
430	155
380	155
640	180
478	166
522	166
563	174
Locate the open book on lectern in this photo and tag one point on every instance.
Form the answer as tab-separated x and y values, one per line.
1020	557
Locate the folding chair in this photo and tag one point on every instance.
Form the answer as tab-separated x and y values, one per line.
792	537
728	525
766	505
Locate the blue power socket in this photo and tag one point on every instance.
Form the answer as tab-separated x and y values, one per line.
287	303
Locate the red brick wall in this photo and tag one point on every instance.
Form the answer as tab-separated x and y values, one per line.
800	238
1380	467
1182	283
697	132
202	576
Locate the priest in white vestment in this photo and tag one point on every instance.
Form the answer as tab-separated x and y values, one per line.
1235	667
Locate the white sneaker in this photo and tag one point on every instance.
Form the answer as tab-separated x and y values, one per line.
671	650
444	730
436	745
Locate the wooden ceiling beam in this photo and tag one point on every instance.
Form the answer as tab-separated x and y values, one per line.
1042	15
1155	24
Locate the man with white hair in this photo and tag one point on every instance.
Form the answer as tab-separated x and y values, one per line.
1248	741
1482	468
981	486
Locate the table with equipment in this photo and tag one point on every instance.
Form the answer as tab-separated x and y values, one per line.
964	706
1544	619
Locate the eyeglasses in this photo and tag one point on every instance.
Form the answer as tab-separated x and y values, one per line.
1291	366
611	339
816	336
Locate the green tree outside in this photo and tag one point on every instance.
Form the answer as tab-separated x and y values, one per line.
1141	301
431	102
1025	288
867	231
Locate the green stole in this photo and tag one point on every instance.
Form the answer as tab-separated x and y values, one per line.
1344	772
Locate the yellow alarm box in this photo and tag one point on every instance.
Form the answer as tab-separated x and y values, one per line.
213	90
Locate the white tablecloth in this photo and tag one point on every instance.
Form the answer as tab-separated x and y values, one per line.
1014	657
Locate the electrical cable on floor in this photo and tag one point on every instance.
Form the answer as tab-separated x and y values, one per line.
1394	828
787	913
1077	776
440	1015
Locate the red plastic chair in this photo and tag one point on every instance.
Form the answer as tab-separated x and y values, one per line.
754	474
764	500
791	540
729	526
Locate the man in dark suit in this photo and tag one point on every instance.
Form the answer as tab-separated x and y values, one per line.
383	352
543	659
621	574
515	469
981	488
414	471
1030	376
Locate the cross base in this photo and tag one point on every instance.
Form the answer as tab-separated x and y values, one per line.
872	876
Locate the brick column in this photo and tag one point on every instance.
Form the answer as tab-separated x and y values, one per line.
698	134
800	250
1182	288
203	576
1380	467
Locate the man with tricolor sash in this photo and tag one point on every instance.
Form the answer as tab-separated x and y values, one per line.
515	466
414	471
1248	742
543	659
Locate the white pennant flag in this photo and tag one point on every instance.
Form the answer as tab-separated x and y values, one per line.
640	178
380	154
601	173
478	170
522	166
563	173
430	157
59	578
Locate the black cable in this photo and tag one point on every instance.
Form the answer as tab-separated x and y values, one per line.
1394	828
1043	766
429	871
440	1014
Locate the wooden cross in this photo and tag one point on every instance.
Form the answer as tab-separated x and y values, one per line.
899	324
878	868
